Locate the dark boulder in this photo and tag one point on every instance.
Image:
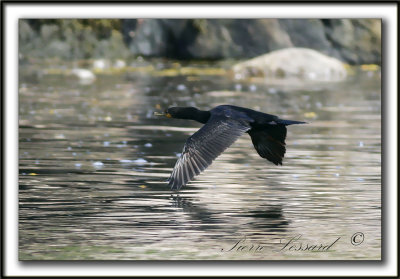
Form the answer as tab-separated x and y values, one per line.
355	41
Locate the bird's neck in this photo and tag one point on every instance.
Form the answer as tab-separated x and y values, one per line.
202	116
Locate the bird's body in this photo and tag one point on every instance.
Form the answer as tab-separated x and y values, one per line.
223	126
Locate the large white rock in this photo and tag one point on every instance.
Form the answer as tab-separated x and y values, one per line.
302	63
85	76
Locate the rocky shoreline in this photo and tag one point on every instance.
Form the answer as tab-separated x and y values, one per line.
352	41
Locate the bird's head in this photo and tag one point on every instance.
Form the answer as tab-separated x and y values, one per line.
179	112
186	113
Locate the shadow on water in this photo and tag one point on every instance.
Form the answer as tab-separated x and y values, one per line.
267	217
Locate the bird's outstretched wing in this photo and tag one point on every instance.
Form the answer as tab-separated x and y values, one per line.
204	146
270	142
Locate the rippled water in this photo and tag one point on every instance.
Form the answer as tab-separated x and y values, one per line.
93	163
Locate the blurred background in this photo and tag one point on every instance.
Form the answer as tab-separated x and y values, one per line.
354	41
93	159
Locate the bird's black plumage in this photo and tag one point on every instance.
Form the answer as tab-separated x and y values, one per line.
223	126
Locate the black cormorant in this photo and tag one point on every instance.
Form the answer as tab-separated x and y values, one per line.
223	126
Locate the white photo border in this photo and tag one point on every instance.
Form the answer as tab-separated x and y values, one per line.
387	11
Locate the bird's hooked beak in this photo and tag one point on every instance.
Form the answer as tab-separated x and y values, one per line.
162	114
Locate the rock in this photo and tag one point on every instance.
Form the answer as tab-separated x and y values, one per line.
101	64
146	37
119	64
204	38
358	41
85	76
302	63
160	37
354	41
308	33
71	39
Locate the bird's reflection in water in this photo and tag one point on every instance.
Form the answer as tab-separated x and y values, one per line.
262	220
267	217
198	213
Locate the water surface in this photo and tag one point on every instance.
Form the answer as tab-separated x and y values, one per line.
94	160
